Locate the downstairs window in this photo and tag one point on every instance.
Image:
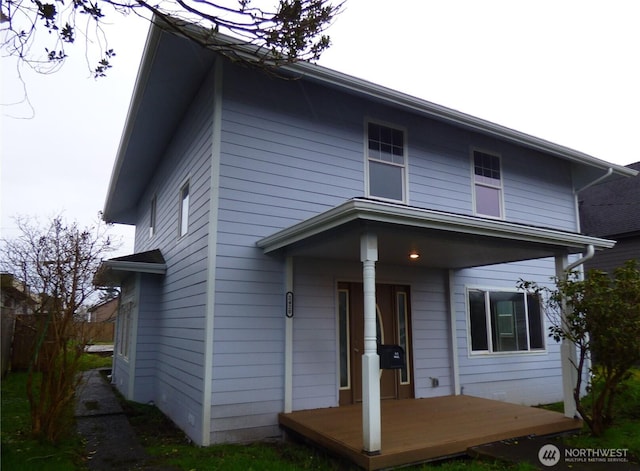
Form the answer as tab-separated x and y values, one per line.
504	321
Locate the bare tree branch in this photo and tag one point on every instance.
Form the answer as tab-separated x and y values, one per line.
40	33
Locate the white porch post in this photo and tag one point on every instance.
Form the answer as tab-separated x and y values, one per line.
568	356
371	420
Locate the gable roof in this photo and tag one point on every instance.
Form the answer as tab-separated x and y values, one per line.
172	69
612	208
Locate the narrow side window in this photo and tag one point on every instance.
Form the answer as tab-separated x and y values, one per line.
183	217
152	216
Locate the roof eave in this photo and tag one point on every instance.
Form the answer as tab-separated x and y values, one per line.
442	113
358	209
146	64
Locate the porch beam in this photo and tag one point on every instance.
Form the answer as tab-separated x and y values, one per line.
371	417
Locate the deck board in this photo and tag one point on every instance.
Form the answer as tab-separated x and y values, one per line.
417	430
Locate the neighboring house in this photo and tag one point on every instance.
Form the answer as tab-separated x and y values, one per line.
284	228
612	210
15	297
103	312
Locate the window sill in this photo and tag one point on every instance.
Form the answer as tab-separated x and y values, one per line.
507	354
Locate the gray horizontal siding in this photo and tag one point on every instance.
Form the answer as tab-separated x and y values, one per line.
177	325
538	374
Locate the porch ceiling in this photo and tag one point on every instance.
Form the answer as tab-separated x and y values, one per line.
443	240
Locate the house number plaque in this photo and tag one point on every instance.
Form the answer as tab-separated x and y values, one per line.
289	304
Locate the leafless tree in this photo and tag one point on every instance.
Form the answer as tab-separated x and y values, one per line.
57	262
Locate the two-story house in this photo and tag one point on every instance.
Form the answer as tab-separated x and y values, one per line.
285	228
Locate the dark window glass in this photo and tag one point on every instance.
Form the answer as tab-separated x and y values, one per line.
478	319
536	325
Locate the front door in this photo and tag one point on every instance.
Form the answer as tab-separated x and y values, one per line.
393	327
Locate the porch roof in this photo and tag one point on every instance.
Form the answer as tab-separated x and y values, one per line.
443	240
113	271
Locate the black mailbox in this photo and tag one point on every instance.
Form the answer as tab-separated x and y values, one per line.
391	357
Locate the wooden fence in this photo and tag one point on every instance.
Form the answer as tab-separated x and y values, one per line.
25	336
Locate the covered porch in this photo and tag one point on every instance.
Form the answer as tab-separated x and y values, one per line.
388	234
418	430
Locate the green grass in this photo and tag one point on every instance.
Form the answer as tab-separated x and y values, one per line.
625	432
169	446
91	361
21	452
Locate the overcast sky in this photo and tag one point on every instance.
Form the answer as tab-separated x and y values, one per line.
563	70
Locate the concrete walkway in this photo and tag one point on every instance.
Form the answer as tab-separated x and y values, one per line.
111	442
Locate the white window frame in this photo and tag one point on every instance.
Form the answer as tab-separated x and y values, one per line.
183	209
124	327
347	338
405	302
487	291
475	183
404	167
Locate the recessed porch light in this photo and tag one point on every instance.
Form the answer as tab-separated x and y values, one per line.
413	255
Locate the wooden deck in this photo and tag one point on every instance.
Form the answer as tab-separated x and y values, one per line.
418	430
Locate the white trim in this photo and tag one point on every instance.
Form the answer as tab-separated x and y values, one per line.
408	340
288	341
153	216
186	183
136	267
450	116
212	247
347	336
487	290
378	211
474	200
453	321
133	335
404	166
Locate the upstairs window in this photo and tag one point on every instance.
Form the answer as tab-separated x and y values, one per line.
504	321
183	217
386	162
487	184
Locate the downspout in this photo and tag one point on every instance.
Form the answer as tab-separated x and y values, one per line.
596	181
586	257
567	348
608	173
